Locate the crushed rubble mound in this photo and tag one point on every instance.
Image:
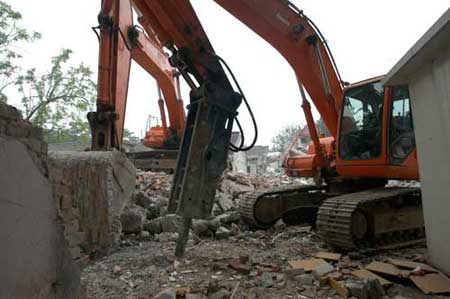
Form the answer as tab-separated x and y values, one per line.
225	259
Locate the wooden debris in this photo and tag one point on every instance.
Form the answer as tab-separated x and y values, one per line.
384	268
342	290
308	265
329	256
365	274
411	265
433	283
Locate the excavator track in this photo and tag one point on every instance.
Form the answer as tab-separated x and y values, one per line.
381	218
263	208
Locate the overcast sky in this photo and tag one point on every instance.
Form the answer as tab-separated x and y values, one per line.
366	37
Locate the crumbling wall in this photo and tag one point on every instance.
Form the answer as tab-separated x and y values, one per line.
91	189
34	256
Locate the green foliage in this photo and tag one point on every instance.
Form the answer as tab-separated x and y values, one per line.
284	138
58	100
130	137
11	34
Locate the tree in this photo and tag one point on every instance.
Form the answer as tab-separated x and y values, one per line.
10	35
130	137
284	138
58	100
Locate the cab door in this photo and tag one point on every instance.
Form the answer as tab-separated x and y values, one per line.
362	146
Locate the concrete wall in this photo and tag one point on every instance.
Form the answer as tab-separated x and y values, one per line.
35	262
90	190
430	95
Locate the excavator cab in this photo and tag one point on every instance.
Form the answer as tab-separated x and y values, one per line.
361	123
376	129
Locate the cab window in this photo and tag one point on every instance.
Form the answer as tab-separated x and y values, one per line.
361	123
401	133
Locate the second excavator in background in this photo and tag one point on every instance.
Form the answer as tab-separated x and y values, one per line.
121	42
372	136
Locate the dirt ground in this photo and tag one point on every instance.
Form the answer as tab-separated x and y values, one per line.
140	269
225	259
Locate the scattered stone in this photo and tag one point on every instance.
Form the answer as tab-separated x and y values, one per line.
266	280
322	269
305	279
166	294
222	233
336	275
200	227
117	269
153	226
238	266
141	199
235	230
224	201
132	219
230	217
279	225
170	223
221	294
144	235
369	289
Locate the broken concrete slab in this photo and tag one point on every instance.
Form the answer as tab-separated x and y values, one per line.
99	184
412	265
384	268
328	256
433	283
308	265
322	269
365	274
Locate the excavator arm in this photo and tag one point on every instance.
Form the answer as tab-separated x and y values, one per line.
282	25
211	111
121	41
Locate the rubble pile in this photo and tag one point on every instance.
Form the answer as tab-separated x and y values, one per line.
224	259
146	215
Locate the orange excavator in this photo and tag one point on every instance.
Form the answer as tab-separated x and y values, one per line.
121	41
372	136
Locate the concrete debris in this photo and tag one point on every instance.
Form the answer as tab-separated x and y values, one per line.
224	258
322	269
166	294
132	219
340	289
328	256
411	265
222	233
279	225
307	265
369	289
433	283
384	268
141	199
365	274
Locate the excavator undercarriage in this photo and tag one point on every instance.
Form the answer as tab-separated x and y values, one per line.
376	218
